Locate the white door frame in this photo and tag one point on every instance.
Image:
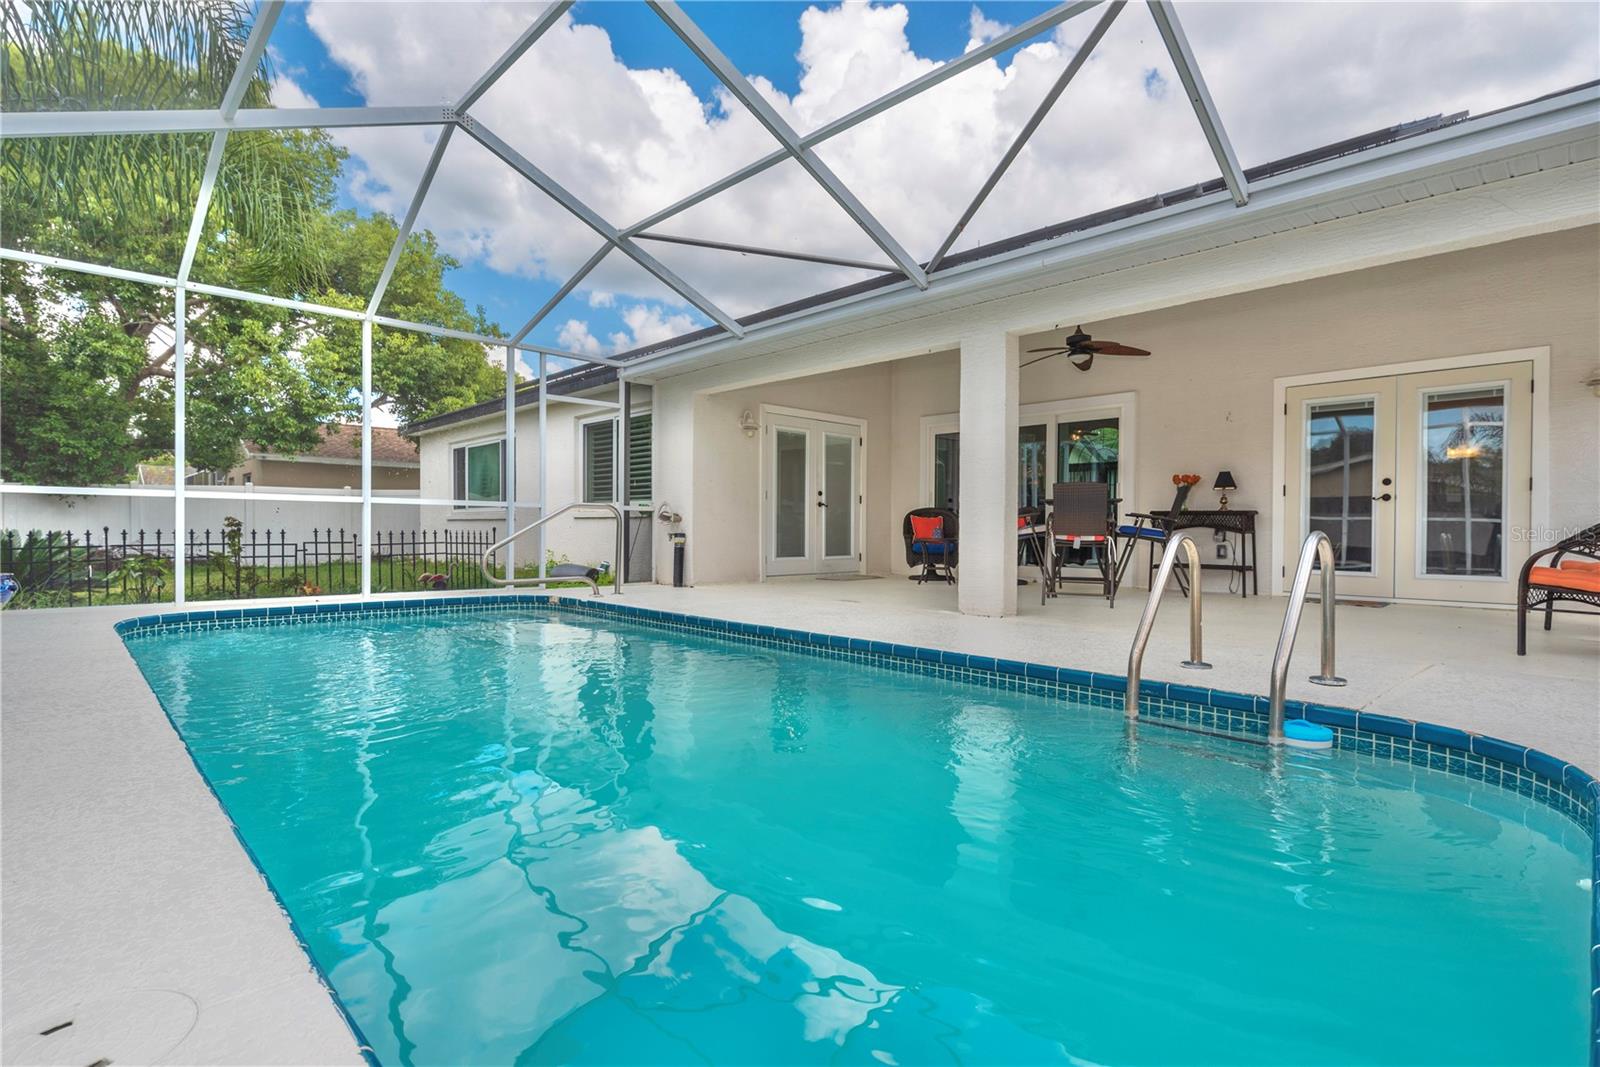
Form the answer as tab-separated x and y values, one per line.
1540	533
860	426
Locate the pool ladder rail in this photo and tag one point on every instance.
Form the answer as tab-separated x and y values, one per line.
562	572
1317	548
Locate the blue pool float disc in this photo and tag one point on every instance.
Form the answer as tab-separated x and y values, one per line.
1304	734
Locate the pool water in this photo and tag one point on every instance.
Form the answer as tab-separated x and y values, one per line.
514	837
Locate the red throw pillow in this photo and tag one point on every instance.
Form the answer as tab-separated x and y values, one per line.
927	528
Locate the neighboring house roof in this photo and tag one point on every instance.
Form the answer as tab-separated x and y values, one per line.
341	443
594	376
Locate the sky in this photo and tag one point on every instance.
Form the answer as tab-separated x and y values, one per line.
614	107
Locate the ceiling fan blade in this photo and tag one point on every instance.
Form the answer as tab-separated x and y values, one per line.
1086	364
1041	359
1112	348
1052	351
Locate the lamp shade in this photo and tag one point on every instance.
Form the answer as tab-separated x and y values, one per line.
1224	481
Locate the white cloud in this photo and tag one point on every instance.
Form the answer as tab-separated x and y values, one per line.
575	337
647	325
1285	76
981	29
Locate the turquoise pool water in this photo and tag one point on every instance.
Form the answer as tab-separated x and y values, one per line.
513	837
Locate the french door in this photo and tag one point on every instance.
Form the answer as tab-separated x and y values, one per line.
1421	481
811	496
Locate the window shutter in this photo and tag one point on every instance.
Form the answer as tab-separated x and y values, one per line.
599	473
639	459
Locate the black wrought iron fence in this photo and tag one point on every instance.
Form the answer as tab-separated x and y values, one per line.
58	568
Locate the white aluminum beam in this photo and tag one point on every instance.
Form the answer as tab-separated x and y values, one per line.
410	219
737	84
1205	109
775	253
585	214
180	447
1032	28
366	457
93	123
510	463
547	18
544	454
78	266
250	57
208	186
561	294
1028	128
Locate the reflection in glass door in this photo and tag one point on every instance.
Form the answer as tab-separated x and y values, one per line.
1339	479
1464	501
1465	445
811	496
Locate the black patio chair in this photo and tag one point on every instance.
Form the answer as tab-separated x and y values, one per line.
939	555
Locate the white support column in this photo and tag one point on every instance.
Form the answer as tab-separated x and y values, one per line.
180	449
511	459
988	530
544	454
624	410
366	457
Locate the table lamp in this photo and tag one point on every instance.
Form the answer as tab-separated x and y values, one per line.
1224	485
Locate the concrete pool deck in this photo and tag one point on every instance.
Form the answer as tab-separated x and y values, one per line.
123	880
131	909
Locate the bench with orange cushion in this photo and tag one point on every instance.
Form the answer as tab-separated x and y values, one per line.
1575	579
1567	576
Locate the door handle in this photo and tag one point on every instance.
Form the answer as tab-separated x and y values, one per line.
1385	496
820	504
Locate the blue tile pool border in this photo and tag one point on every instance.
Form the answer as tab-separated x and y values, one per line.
1545	779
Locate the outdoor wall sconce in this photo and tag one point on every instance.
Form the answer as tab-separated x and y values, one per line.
748	423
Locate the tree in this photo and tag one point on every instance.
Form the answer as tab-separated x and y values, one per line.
86	372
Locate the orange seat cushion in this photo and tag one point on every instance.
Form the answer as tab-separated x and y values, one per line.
1565	578
1581	565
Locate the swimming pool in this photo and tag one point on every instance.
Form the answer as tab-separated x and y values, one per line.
528	834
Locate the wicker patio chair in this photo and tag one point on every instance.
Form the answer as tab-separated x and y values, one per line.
1572	576
1080	517
937	556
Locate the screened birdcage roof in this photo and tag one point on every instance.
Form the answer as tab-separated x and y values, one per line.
614	182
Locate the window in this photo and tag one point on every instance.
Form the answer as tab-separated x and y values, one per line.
479	473
600	460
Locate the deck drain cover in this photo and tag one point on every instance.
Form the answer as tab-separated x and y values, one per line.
138	1027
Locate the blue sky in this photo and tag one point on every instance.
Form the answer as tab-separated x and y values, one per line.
590	105
761	38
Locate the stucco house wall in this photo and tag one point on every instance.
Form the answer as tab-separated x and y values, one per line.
1204	400
579	538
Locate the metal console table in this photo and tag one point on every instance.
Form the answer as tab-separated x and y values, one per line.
1240	522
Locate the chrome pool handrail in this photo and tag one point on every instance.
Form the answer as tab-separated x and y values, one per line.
1317	548
1147	621
594	587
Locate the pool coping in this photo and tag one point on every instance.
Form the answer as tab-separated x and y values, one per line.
1554	783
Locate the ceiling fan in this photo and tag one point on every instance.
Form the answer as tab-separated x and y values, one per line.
1081	349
